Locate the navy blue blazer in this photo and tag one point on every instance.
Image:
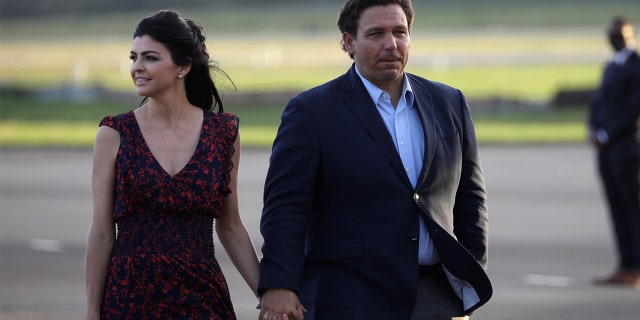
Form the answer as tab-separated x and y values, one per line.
340	217
616	106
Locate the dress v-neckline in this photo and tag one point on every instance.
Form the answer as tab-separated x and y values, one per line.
155	160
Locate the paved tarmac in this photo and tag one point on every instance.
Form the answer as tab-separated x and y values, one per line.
549	234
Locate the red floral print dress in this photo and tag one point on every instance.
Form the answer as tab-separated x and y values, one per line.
163	264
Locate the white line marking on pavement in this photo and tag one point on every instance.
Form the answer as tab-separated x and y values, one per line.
547	280
46	245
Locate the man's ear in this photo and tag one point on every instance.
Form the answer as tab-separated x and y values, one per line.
349	43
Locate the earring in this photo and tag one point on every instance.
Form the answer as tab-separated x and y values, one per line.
180	76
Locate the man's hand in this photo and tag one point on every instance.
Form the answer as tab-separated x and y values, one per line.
281	304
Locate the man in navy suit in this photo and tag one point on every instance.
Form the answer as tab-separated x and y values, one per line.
614	123
374	202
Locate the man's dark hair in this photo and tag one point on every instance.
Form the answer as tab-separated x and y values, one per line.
350	13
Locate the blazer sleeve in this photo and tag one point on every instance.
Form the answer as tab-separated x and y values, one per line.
288	195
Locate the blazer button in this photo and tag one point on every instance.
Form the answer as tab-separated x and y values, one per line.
416	197
414	240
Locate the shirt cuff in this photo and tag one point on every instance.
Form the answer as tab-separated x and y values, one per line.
602	136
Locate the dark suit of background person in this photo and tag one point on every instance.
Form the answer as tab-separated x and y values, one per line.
614	124
341	218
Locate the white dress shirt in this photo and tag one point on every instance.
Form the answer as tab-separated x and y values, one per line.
405	128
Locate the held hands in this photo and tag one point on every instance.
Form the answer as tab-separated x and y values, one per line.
281	304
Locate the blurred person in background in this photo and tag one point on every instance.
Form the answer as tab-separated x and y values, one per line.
162	174
374	202
614	126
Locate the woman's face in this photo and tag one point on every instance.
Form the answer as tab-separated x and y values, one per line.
152	68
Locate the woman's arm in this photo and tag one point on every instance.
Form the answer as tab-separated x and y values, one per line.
102	233
232	233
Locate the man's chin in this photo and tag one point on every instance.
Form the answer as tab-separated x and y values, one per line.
391	74
391	65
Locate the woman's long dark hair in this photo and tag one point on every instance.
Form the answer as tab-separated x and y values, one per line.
186	42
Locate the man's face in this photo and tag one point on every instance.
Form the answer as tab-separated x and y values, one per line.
381	45
622	37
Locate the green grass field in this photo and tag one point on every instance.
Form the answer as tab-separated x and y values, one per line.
67	124
516	50
320	16
480	64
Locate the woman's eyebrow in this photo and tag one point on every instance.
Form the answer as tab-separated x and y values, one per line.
145	52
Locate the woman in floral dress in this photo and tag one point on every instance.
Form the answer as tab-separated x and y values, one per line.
162	174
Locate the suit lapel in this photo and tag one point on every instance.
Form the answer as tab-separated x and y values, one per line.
455	258
358	100
424	105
